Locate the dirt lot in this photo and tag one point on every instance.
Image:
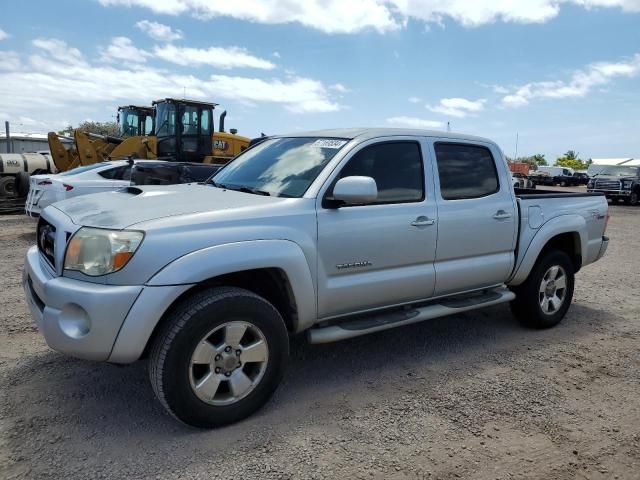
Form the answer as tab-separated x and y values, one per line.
470	396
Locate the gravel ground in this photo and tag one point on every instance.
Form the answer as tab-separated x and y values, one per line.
469	396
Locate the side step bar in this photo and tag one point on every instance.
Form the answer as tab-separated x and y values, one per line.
361	325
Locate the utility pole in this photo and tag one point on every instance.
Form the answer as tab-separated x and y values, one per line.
8	136
516	155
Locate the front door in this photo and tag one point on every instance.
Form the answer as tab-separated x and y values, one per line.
379	254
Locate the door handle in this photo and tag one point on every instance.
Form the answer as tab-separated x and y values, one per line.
422	222
501	215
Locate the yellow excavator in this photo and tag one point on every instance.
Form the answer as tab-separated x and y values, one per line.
172	129
135	127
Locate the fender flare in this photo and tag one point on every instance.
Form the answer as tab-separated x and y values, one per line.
210	262
555	226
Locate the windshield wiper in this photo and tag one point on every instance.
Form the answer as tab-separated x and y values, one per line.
255	191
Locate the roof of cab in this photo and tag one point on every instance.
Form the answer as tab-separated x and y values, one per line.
367	133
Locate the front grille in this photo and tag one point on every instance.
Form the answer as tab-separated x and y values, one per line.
47	240
607	184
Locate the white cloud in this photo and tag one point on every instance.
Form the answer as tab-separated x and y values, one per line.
58	80
276	54
3	34
299	95
580	84
414	100
413	122
219	57
340	88
338	16
458	107
159	31
10	60
122	48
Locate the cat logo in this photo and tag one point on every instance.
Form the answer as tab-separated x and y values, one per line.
221	145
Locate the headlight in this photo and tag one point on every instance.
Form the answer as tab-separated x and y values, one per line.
627	183
590	184
95	251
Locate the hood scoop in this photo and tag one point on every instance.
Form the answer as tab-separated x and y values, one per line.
131	190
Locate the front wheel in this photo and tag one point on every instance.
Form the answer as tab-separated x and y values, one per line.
545	296
633	199
219	357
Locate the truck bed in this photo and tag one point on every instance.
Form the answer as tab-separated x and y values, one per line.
532	193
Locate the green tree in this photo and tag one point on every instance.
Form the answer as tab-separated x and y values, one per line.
539	159
99	128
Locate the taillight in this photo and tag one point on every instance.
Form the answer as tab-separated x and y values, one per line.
45	182
67	187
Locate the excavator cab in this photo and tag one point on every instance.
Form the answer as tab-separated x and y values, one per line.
134	121
184	129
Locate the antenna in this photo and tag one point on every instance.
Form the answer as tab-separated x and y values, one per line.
184	93
448	126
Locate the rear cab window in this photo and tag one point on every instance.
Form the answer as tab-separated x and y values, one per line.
465	171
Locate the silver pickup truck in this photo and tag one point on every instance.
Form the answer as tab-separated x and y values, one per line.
335	233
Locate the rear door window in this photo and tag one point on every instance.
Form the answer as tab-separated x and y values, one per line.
465	171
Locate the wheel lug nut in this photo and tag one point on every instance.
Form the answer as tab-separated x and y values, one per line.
239	364
218	357
228	374
238	352
227	349
218	370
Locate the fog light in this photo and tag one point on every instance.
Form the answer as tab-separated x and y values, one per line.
74	321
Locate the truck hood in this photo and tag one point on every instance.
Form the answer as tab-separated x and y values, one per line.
131	205
610	178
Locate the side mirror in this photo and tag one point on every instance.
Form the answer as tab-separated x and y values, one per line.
356	190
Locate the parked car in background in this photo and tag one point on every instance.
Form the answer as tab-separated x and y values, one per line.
336	233
617	182
170	173
98	177
581	177
560	176
107	176
524	181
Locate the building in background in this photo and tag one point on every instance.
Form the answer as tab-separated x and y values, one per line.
25	142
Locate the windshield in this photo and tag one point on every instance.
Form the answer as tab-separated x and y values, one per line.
133	122
166	119
619	171
85	168
283	167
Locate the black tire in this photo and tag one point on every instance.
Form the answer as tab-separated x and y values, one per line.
22	183
633	199
7	188
170	362
527	305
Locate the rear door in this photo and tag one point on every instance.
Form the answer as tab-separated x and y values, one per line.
477	220
379	254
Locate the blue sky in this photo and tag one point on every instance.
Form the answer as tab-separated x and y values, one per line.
562	74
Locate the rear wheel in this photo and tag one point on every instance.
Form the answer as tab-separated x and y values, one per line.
545	296
7	188
219	357
22	183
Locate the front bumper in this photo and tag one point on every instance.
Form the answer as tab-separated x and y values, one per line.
90	320
81	319
611	193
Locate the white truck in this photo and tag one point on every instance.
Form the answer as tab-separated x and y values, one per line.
335	233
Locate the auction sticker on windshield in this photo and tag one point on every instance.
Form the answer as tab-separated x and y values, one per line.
328	143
